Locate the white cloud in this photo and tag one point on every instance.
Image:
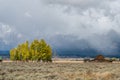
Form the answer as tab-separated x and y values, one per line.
4	30
27	14
8	37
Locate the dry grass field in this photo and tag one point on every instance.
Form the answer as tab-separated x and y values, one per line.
59	71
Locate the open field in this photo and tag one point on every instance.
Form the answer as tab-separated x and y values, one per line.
59	71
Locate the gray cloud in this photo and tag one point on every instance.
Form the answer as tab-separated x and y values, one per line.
8	37
63	23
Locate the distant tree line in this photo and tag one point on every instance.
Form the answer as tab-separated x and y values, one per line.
38	50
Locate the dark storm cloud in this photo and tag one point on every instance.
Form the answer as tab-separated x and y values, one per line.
63	23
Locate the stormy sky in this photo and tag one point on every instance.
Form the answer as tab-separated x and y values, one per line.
64	24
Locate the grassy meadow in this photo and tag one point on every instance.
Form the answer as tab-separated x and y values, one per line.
59	71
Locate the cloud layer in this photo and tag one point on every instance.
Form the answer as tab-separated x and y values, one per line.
63	23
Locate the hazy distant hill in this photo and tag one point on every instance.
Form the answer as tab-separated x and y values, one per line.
83	53
4	54
72	53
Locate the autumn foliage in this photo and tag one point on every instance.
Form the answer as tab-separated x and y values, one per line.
38	50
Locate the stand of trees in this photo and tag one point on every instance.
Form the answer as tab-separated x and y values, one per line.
38	50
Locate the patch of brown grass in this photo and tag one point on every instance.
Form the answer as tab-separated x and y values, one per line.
59	71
